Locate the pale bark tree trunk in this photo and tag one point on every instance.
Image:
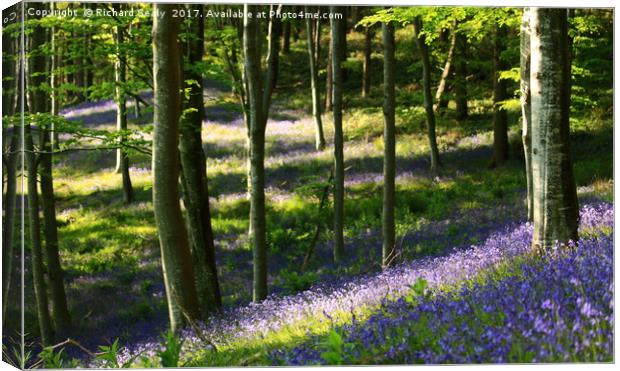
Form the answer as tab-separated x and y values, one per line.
428	98
317	40
54	78
389	139
175	252
526	108
441	88
337	28
367	61
556	211
120	74
460	86
194	175
314	86
500	116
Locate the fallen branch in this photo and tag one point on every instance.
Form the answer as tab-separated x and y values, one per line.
319	224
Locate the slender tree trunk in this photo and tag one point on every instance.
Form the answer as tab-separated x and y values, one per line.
120	72
446	71
60	311
286	37
275	32
329	94
38	103
337	28
314	86
38	269
556	211
259	91
343	43
500	116
256	130
367	61
54	80
460	86
317	41
193	163
526	108
36	100
175	252
428	99
389	139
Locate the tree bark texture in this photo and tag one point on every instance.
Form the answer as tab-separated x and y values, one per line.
500	116
556	210
428	98
389	140
314	86
337	28
120	76
175	252
447	69
194	174
368	34
526	108
460	83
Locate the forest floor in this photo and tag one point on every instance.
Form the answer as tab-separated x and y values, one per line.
447	226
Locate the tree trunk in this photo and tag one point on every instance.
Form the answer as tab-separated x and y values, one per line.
329	94
38	269
175	252
60	311
367	61
286	37
389	152
500	116
337	28
314	86
446	71
36	100
526	108
194	174
54	79
343	44
317	41
120	72
428	99
556	211
259	98
460	86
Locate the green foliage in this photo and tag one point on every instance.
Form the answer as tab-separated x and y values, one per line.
335	348
294	282
108	356
171	353
57	360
